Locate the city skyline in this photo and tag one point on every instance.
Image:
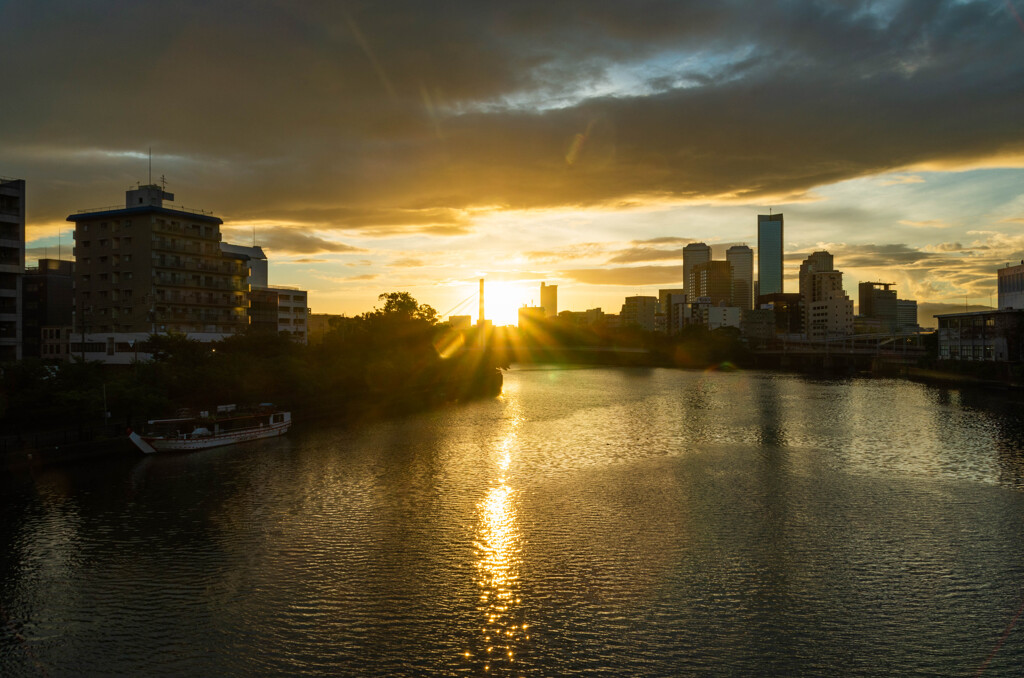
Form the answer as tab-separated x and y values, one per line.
584	146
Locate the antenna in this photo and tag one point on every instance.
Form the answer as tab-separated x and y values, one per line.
163	182
254	235
58	244
150	165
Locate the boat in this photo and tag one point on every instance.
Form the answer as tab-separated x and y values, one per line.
227	426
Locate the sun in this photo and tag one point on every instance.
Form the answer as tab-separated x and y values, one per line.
502	301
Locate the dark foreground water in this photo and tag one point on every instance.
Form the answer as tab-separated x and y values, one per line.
588	522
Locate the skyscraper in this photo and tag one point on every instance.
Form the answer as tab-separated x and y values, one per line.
549	300
769	253
742	259
693	254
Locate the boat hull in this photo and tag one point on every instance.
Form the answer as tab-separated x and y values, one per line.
189	443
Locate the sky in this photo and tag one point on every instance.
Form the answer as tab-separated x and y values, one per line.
383	146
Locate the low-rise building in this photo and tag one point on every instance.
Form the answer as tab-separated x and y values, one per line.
639	311
47	301
995	335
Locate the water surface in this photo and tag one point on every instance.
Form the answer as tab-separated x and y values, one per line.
587	522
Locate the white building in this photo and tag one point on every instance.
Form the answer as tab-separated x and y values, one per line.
723	316
292	303
1011	286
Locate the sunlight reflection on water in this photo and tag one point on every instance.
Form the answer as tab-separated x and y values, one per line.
498	549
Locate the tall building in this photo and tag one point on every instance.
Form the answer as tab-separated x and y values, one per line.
906	314
1011	286
816	262
47	302
549	299
693	254
878	302
741	258
769	254
153	268
12	266
712	279
828	311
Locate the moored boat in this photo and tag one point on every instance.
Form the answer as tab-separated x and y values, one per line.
227	426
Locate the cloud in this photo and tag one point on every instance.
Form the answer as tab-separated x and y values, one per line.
349	279
638	254
407	262
391	119
297	241
927	223
634	275
568	253
904	179
665	240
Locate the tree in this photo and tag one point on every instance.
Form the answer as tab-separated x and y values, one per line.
402	304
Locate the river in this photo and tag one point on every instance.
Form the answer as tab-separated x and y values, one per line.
586	522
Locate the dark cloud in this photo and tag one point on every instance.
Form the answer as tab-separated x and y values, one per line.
634	275
297	241
393	117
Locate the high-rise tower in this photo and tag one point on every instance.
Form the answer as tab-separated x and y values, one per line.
769	253
741	258
693	254
549	299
